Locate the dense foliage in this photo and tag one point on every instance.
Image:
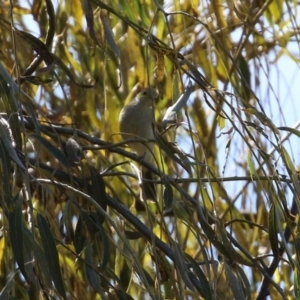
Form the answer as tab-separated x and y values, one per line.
225	224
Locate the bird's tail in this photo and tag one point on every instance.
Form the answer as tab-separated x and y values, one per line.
149	191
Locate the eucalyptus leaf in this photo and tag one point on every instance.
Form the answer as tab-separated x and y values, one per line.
51	254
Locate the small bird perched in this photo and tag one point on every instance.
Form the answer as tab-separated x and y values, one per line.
136	121
73	151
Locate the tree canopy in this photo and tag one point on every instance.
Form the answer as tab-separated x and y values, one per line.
73	221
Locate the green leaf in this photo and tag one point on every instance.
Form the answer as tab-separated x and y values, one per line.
51	254
291	130
295	180
7	87
234	283
105	248
175	87
297	251
37	80
245	281
8	141
251	165
90	273
245	88
31	245
66	222
122	295
197	284
168	195
274	11
38	46
109	35
98	191
4	293
204	287
79	237
263	118
221	122
171	151
69	73
89	16
188	277
297	283
5	174
211	235
272	224
287	160
15	233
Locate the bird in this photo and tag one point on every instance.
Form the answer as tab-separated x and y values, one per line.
73	151
136	120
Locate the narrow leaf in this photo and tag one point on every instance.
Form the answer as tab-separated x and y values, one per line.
90	273
5	174
8	88
246	78
89	16
79	237
272	224
168	196
9	143
171	151
105	248
109	35
250	164
187	276
287	159
291	130
98	190
203	285
37	80
30	243
51	254
4	293
245	281
234	283
15	233
197	284
38	46
297	283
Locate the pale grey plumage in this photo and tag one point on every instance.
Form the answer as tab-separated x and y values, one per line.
136	121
